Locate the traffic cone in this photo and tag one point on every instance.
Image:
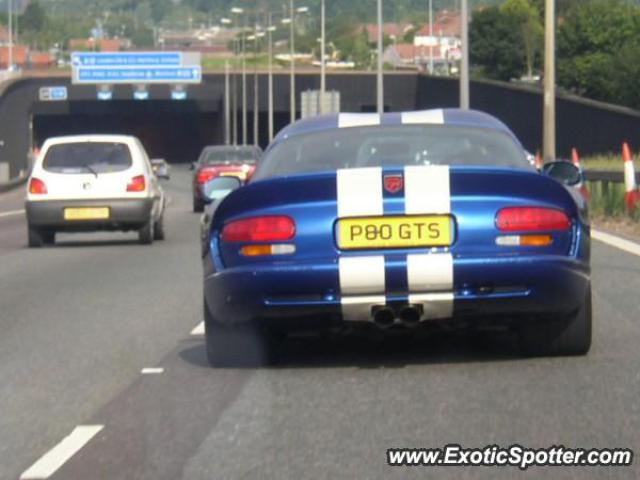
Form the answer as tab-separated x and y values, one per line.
575	157
631	195
538	161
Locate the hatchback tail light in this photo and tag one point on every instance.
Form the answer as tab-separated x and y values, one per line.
531	219
274	228
37	187
205	175
137	184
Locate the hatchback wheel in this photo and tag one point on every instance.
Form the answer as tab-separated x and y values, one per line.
145	234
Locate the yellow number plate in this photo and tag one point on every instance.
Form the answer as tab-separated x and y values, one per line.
394	232
240	175
86	213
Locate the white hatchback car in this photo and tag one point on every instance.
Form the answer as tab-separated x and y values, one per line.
93	182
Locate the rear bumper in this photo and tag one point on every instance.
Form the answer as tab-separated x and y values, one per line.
124	214
496	287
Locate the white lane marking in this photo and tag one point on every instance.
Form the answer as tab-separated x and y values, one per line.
346	120
11	213
435	305
199	330
361	275
359	192
151	371
51	461
433	117
427	189
621	243
430	272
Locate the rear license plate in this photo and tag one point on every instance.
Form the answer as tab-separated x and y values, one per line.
240	175
394	232
86	213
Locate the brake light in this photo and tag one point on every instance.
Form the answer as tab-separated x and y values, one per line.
137	184
37	187
531	219
205	175
274	228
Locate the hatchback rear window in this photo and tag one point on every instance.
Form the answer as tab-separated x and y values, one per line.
87	157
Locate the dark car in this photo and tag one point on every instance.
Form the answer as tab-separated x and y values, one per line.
222	161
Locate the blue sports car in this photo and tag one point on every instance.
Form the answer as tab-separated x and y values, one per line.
396	222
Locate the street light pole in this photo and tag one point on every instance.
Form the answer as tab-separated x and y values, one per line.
323	73
431	37
10	33
549	120
380	93
464	62
270	29
256	120
292	72
227	106
244	83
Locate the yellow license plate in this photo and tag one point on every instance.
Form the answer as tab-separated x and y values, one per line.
240	175
394	232
86	213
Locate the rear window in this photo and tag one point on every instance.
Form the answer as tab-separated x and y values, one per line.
392	146
228	156
98	157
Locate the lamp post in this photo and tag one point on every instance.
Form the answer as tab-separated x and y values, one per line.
270	30
464	62
380	86
431	37
292	68
549	120
240	11
323	73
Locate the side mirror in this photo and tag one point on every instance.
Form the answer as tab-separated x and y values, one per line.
220	187
564	172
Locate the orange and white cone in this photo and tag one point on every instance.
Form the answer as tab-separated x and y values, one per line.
632	195
575	157
538	161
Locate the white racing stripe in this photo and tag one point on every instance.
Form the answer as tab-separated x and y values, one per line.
11	213
362	285
435	305
427	189
359	192
621	243
51	461
430	273
433	117
347	120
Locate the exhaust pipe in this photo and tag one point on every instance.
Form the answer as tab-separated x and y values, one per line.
384	317
410	315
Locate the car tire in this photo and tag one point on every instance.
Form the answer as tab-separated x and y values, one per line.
237	345
567	336
146	233
158	229
35	237
198	205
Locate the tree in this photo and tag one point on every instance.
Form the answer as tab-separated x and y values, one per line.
34	18
531	29
496	45
593	40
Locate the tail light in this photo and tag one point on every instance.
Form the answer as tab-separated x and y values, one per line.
531	219
137	184
205	175
274	228
37	187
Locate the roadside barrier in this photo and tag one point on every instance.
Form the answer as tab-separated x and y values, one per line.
632	195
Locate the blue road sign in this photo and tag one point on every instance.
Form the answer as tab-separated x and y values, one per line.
186	74
53	94
126	59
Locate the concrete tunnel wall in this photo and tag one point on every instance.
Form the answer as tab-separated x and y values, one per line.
170	128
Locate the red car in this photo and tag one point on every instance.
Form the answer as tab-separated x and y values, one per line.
222	161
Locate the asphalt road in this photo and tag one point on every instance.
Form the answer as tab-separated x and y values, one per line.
79	321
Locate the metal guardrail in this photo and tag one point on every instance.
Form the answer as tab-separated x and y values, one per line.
609	177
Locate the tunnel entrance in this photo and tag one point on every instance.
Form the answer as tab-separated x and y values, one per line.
176	131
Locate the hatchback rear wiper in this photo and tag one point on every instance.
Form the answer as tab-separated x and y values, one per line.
88	167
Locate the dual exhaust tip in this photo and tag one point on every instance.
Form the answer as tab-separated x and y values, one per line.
407	315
